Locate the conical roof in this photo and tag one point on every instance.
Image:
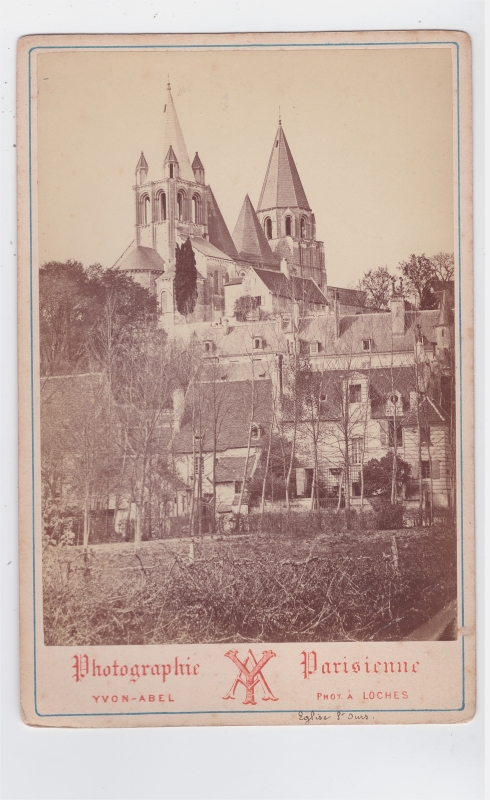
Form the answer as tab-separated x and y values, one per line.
218	233
282	185
142	162
250	239
173	138
197	163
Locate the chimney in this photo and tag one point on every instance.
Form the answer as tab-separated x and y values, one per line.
397	307
178	401
336	311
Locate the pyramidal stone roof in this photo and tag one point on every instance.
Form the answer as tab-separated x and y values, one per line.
218	233
250	239
282	185
173	138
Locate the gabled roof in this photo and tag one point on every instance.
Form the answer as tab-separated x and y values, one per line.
218	232
173	138
142	162
142	258
224	406
282	185
430	413
197	163
250	239
300	289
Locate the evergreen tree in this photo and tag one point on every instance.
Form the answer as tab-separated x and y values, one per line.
185	283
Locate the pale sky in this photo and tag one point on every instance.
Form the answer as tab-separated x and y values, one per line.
370	131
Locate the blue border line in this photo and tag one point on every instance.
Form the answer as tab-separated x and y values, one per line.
245	47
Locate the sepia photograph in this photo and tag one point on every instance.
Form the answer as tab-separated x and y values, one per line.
247	354
246	360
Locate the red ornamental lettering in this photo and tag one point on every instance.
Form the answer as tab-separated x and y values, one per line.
250	676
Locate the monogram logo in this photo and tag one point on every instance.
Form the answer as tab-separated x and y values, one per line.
250	676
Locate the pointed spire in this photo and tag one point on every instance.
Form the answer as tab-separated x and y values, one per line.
218	233
173	138
249	238
141	170
197	163
171	156
282	185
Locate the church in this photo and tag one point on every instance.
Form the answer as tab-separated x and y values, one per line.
273	250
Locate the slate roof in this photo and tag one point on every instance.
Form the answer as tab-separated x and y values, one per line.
293	288
282	186
206	248
347	297
229	405
430	413
142	258
218	232
231	468
250	240
356	327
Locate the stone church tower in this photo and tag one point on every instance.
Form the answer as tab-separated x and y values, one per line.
286	217
176	205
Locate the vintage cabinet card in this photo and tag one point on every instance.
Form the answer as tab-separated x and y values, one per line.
246	379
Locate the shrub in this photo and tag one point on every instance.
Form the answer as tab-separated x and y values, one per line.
388	516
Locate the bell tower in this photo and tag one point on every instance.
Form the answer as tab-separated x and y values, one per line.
286	217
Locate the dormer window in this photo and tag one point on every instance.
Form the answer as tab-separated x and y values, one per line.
367	344
256	432
258	343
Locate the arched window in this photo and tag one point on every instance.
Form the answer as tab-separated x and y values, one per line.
268	228
145	217
288	226
180	205
302	228
171	170
162	207
196	209
163	302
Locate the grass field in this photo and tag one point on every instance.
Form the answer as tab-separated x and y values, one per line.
342	586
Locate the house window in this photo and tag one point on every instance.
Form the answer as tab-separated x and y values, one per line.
268	228
314	348
366	344
227	277
258	344
256	431
355	393
356	488
288	226
355	450
163	302
208	346
163	207
395	434
425	469
257	301
216	282
425	435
